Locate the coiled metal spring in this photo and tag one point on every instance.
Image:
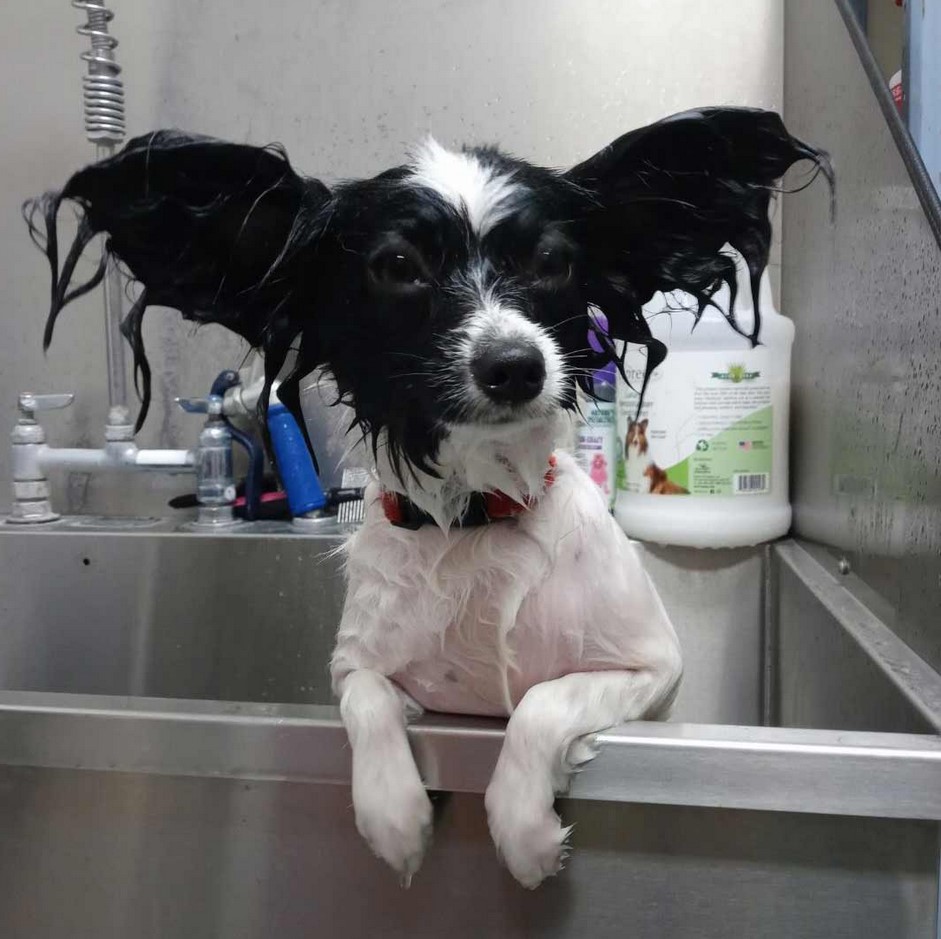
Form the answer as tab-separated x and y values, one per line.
103	89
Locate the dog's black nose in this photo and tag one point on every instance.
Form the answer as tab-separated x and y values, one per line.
511	372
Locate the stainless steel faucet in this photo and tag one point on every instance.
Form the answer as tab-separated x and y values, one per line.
210	461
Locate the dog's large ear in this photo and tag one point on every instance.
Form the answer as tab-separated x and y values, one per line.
665	199
216	230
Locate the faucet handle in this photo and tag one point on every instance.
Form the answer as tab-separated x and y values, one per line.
211	404
29	403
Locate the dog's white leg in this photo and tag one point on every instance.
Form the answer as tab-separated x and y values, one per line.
393	812
546	740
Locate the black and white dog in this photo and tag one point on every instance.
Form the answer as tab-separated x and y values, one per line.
451	300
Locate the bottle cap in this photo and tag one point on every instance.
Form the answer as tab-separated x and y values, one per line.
608	374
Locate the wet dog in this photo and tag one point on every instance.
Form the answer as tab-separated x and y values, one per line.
449	299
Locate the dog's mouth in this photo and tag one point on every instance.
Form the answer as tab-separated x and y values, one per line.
537	411
508	428
478	410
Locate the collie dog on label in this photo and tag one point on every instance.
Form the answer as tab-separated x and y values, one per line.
449	298
635	456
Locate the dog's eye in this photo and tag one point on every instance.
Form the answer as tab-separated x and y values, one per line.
399	269
553	265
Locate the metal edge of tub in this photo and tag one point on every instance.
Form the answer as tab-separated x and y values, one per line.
765	768
775	769
913	678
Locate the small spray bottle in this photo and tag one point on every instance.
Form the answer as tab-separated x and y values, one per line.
596	429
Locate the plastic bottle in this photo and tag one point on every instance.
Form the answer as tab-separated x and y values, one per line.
596	446
705	463
215	476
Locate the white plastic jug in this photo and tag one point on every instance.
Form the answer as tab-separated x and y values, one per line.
705	463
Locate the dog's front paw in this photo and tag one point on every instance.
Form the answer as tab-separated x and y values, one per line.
528	834
395	820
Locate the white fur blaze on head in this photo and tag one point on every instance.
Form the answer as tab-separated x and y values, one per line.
481	193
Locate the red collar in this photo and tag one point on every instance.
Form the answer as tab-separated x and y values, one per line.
483	508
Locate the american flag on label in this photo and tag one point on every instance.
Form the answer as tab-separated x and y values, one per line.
744	445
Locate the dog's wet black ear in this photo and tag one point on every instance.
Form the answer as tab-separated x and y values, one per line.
221	232
665	199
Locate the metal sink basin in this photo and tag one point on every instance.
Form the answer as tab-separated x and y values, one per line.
171	759
157	612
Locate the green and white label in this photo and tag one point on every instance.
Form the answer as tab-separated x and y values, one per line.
706	427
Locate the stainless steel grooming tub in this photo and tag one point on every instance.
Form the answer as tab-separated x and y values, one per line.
171	763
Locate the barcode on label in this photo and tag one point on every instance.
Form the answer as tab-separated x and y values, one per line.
751	482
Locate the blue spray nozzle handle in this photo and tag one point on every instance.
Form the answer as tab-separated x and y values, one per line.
295	464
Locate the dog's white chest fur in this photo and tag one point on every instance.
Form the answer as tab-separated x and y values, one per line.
467	621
